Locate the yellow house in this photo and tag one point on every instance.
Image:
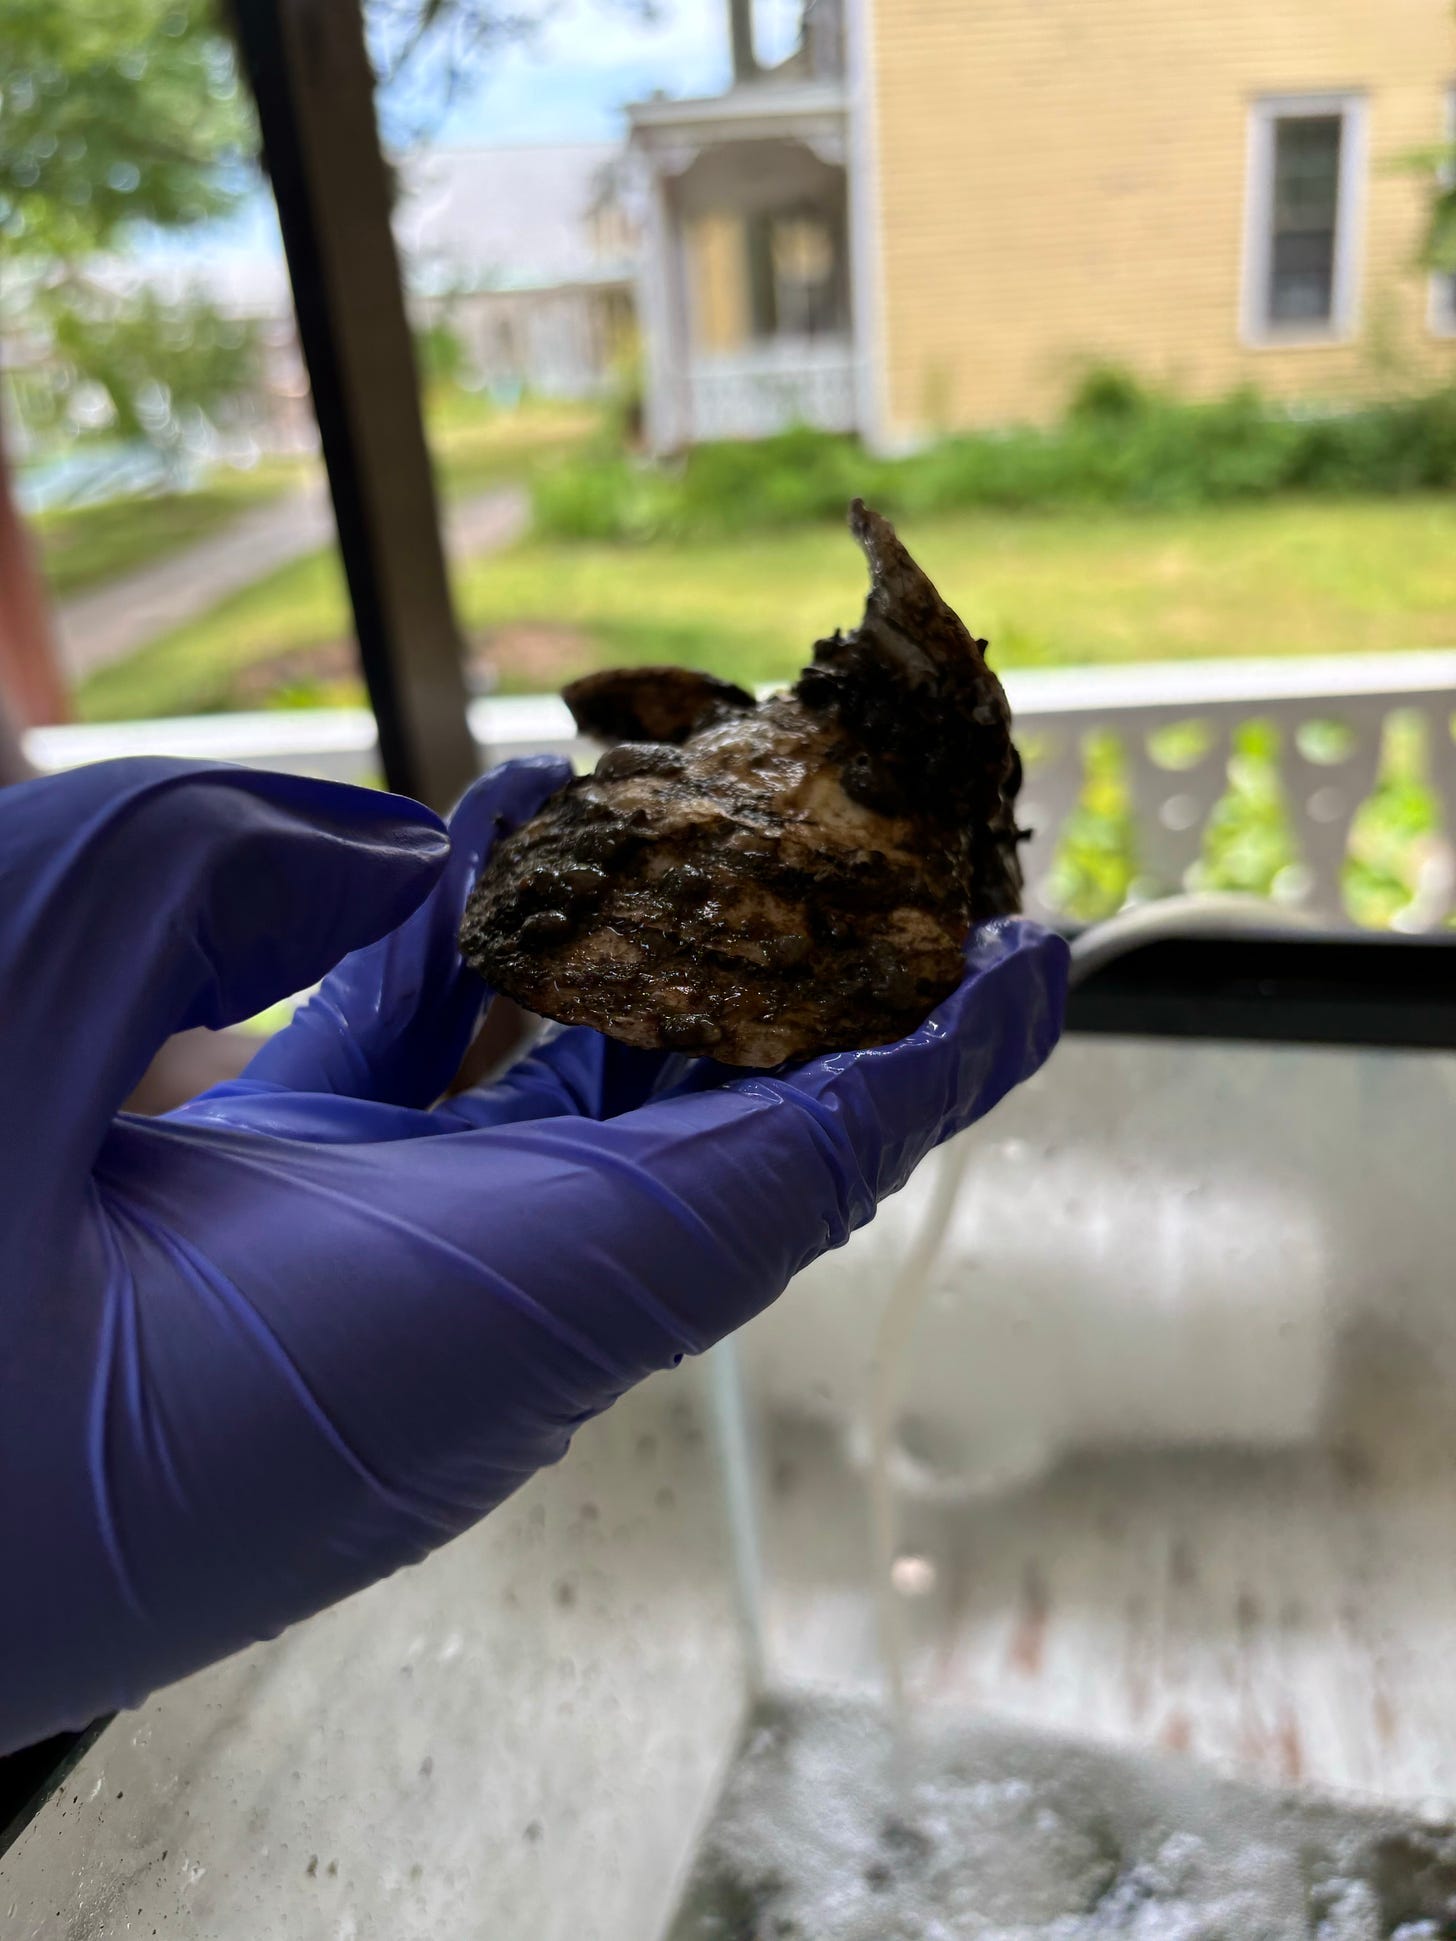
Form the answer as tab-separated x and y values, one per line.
938	212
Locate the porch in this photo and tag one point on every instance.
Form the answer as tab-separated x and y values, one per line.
1175	725
1171	1454
744	289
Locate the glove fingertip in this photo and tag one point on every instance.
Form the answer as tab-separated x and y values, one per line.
511	793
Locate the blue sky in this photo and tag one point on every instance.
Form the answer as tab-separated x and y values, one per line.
569	82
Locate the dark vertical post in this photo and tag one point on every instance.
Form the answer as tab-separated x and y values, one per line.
740	35
311	78
31	682
763	298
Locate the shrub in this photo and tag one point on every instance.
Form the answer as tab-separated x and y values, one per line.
1119	445
1107	394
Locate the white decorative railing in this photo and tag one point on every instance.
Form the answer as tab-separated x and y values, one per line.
769	387
1329	717
1324	777
340	744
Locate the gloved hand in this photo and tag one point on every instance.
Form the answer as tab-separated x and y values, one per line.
257	1353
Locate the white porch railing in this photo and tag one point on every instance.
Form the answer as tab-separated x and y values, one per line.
1324	780
769	387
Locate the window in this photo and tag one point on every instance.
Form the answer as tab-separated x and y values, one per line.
1306	180
1443	283
1302	222
809	292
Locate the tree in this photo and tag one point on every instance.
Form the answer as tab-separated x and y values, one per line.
119	115
114	114
161	371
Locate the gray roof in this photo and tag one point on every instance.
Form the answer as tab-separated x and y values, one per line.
504	217
467	218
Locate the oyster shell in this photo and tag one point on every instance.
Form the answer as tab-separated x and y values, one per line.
768	881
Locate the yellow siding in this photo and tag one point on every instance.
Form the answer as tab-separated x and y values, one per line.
1062	181
718	283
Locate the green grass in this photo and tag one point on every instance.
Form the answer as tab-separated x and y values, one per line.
196	668
476	444
1281	578
84	546
192	669
1284	578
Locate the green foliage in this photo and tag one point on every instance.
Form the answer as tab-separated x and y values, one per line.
112	112
1441	240
439	354
797	477
1107	394
141	368
1096	859
1118	445
1249	843
627	398
1395	831
1437	167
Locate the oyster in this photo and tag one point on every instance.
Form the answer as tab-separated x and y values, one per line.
768	881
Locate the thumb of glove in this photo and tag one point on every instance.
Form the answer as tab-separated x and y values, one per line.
392	1023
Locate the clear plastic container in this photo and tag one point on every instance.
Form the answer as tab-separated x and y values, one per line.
1100	1583
1105	1495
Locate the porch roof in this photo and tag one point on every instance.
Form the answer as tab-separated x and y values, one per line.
764	109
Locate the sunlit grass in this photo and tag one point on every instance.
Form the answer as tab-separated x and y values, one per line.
1048	590
1276	579
475	443
1288	578
84	546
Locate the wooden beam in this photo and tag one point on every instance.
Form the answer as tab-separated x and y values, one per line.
310	74
740	34
32	687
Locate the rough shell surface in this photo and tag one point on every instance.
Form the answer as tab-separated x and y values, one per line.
768	881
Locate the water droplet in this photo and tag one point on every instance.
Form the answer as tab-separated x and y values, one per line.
913	1576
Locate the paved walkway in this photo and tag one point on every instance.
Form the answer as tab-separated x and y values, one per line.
116	619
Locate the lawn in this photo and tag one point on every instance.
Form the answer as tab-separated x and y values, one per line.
476	444
83	546
1282	577
1048	590
210	663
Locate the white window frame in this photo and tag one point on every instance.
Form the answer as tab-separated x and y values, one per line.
1265	113
1443	288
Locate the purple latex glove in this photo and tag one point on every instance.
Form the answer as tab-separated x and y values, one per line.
262	1351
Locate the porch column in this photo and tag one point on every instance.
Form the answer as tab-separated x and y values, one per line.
659	305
